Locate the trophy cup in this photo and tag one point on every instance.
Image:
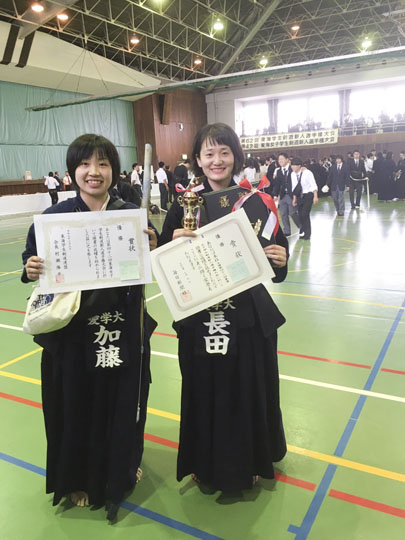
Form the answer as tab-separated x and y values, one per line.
191	202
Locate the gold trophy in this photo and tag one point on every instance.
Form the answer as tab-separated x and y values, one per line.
191	201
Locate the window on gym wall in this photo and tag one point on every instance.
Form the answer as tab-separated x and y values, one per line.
307	113
374	102
255	117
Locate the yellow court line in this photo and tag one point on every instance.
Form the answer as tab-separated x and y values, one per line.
338	299
334	460
375	471
20	358
20	377
164	414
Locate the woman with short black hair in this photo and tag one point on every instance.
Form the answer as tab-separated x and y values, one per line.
94	413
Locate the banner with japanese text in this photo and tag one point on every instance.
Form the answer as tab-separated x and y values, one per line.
287	140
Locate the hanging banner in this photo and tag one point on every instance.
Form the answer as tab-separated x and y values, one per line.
287	140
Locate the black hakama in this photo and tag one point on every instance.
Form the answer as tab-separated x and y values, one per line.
231	425
95	405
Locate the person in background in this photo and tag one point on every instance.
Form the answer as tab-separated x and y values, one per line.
181	173
60	183
136	179
357	173
171	183
338	182
387	185
231	428
305	194
94	403
271	167
250	170
52	185
283	193
67	182
400	177
163	185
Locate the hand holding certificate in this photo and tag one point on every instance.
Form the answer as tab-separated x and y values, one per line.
223	260
93	250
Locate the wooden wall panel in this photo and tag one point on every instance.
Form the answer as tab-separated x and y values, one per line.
188	108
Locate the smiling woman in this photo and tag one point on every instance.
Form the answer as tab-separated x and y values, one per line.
94	411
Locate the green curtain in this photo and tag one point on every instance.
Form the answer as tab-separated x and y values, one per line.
37	141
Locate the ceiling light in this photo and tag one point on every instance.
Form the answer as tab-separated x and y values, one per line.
366	44
263	61
62	16
38	8
218	25
198	61
134	40
295	27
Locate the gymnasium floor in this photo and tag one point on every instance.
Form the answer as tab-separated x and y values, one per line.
342	366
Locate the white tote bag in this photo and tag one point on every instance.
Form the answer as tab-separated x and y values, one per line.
49	312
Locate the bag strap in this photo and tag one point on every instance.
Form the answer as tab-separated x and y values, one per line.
116	205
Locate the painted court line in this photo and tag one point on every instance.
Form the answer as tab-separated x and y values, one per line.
8	327
134	508
285	353
26	355
338	461
153	297
317	383
280	477
301	532
350	301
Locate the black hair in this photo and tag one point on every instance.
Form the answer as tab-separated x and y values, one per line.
283	154
389	155
50	173
188	161
354	151
161	164
167	167
273	157
339	156
220	134
296	161
85	146
134	165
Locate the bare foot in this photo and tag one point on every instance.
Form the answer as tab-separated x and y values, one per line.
80	498
138	475
195	478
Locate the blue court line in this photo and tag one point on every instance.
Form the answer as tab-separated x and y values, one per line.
344	286
301	533
134	508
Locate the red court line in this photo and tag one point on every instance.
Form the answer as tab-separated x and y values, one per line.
12	310
373	505
21	400
298	355
161	440
397	371
320	359
295	481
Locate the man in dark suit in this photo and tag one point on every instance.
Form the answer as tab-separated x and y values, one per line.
181	173
338	181
284	191
357	173
272	164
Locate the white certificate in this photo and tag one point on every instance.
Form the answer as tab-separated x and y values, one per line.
223	260
93	250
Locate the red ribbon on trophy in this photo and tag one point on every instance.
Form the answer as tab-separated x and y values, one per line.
272	223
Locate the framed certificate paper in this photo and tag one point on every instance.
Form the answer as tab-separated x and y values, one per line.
223	260
93	250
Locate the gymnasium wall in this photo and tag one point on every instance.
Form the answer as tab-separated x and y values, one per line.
169	122
37	141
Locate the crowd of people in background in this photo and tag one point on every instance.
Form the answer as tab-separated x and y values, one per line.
350	126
